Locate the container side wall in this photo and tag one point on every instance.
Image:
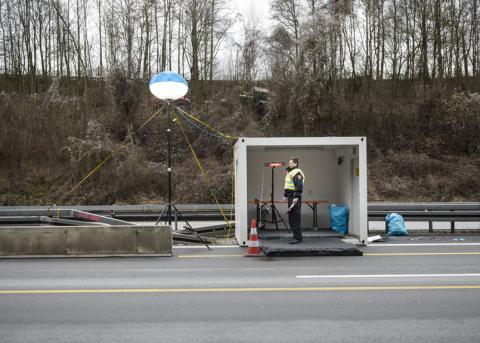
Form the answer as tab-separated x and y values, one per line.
363	204
241	220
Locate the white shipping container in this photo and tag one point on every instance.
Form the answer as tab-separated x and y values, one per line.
335	171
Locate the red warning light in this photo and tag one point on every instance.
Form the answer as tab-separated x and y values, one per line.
274	164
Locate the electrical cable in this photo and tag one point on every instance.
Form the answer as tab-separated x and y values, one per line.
194	122
219	135
214	135
112	154
202	171
229	137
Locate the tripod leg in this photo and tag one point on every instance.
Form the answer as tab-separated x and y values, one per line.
176	221
282	220
274	216
189	227
263	214
161	215
179	214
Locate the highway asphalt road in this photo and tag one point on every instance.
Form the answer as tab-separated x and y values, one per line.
395	293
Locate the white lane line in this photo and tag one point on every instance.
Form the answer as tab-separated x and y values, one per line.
421	244
371	245
384	276
204	247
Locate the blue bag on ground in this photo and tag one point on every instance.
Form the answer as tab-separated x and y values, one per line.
339	218
396	225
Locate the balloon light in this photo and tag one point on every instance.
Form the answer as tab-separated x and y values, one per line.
168	85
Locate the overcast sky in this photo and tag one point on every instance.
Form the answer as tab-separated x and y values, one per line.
257	11
260	9
260	6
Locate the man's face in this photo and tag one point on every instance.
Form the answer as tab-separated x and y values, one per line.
292	164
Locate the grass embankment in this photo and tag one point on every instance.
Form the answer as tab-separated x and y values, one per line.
422	147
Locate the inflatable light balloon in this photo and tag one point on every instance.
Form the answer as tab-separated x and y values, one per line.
168	85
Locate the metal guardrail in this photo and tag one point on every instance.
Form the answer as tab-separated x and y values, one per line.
416	206
426	212
122	212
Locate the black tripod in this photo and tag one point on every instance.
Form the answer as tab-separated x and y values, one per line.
271	209
167	211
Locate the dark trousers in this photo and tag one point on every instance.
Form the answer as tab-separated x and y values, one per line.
295	217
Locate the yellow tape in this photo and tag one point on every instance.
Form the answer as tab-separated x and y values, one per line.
229	137
233	138
115	151
202	171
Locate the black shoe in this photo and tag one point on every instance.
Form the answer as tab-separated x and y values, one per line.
294	241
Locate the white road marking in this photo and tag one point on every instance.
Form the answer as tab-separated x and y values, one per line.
421	244
384	276
370	245
204	247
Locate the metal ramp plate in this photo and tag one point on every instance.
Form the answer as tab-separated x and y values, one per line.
311	246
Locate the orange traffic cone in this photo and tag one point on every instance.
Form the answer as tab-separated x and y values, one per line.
253	248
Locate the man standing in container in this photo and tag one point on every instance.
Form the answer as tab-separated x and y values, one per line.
293	194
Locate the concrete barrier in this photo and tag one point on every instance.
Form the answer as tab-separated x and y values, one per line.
85	240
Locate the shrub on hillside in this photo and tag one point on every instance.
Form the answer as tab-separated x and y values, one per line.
83	154
125	96
461	123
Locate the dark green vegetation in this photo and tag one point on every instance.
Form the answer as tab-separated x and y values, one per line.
423	141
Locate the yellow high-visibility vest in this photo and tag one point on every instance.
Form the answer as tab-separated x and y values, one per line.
289	179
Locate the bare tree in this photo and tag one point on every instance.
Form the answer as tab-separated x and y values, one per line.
167	13
250	49
100	42
288	14
333	39
474	37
